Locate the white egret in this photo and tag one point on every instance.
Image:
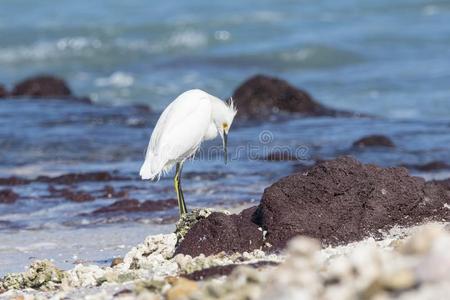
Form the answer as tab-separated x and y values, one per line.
193	117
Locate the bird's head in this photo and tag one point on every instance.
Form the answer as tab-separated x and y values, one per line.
223	120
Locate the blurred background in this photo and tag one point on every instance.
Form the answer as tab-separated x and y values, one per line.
388	59
382	57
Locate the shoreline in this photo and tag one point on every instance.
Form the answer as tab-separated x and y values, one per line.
149	269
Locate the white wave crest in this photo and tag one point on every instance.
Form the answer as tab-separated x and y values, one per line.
43	50
117	79
189	39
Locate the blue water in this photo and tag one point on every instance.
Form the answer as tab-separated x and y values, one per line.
390	59
385	57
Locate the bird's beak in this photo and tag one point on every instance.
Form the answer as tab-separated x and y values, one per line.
225	142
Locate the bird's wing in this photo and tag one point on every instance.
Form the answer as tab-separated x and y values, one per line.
180	128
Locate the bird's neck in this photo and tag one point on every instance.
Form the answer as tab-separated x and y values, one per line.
211	133
219	109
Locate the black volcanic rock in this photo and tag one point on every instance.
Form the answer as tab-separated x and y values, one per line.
261	96
376	140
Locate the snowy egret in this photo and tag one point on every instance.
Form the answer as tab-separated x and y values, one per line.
193	117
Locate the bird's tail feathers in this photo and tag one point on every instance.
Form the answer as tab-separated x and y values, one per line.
152	169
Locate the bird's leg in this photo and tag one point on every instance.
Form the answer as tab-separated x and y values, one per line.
177	184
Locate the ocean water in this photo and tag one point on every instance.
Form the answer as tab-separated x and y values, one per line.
385	58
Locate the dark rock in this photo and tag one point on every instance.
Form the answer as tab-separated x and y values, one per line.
74	196
220	232
77	196
431	166
72	178
375	140
445	183
13	181
133	205
142	108
126	205
45	86
7	196
110	192
218	271
342	200
304	167
3	92
438	190
262	96
42	86
158	205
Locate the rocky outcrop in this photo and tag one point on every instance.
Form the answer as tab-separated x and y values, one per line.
342	200
221	232
412	264
419	269
337	202
44	86
445	183
376	140
261	96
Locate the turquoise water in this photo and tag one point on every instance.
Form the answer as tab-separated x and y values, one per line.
389	58
385	58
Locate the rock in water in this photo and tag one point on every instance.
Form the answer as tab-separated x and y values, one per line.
3	91
133	205
262	96
42	86
7	196
342	200
429	167
220	232
375	140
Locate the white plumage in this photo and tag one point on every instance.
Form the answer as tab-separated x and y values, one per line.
191	118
